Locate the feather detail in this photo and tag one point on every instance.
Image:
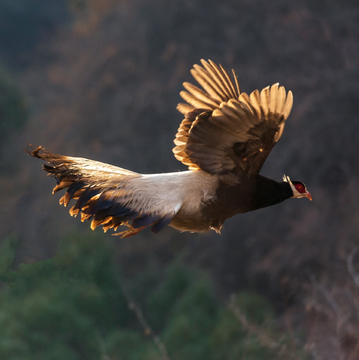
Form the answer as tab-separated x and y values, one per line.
226	130
288	105
200	95
184	108
194	100
111	197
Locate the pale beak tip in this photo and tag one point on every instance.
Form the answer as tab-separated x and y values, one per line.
309	196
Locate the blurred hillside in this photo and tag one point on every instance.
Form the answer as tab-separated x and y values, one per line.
101	80
78	306
26	23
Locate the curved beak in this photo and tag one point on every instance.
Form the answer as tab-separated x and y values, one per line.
308	196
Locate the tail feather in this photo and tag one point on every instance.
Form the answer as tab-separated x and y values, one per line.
101	191
145	220
160	224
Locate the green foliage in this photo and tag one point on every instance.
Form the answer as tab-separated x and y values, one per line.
73	307
13	106
7	255
60	308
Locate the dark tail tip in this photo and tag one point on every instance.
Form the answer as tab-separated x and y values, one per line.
33	151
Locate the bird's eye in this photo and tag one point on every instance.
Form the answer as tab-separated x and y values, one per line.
300	188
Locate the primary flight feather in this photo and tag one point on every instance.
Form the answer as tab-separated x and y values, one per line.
224	140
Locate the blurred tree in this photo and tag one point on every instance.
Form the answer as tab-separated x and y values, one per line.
14	113
13	105
74	307
24	24
7	254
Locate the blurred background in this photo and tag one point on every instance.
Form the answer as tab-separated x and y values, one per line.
101	80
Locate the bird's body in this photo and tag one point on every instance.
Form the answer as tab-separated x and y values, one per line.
224	140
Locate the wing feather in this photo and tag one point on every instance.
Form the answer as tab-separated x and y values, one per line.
202	74
225	130
201	95
264	100
288	105
194	100
280	99
184	108
229	83
216	73
255	102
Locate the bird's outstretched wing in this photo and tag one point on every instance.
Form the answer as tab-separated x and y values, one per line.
225	130
106	194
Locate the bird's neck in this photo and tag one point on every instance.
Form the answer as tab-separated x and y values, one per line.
269	192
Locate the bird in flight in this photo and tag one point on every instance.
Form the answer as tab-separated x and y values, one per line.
224	139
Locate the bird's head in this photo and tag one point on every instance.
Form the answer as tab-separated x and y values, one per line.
298	188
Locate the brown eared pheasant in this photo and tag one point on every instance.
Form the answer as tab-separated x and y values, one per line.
224	139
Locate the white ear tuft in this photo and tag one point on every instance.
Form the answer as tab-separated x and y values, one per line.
296	193
286	179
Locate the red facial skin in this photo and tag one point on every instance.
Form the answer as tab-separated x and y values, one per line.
302	190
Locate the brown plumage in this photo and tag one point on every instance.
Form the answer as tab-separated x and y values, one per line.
224	139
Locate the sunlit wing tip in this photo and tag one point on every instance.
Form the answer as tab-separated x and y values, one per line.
264	99
273	95
236	82
280	99
204	62
288	105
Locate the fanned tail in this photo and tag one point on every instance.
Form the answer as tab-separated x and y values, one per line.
102	191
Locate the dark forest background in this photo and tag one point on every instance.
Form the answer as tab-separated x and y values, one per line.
101	80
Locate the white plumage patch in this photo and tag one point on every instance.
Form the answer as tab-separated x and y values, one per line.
296	193
167	193
111	196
